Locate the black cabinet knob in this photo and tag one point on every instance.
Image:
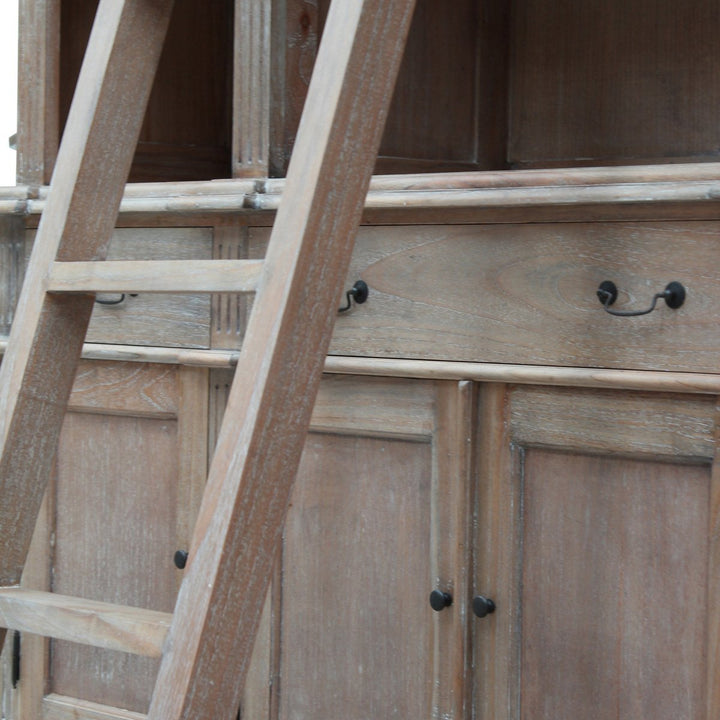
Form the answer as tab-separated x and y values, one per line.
482	606
439	600
180	559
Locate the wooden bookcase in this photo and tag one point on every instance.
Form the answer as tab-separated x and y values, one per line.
484	427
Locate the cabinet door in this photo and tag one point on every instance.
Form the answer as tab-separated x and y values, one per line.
598	540
378	520
130	471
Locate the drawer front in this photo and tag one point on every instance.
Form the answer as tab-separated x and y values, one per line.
528	294
154	319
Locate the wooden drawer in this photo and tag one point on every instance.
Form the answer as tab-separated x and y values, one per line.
527	294
152	319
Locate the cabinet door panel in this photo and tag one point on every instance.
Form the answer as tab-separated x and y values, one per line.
378	519
614	598
130	469
597	539
355	582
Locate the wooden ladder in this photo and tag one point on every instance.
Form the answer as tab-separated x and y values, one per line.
206	643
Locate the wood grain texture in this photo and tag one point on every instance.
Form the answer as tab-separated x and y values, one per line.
115	466
59	707
155	276
614	554
614	422
157	319
252	63
613	82
357	628
498	532
12	232
36	374
38	90
118	388
713	594
450	539
114	627
174	320
103	464
527	294
242	515
229	310
186	129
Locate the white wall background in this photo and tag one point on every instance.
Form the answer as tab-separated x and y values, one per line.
8	87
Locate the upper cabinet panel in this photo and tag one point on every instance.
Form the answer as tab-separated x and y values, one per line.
484	85
613	81
186	133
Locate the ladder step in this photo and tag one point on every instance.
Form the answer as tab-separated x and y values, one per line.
113	627
142	276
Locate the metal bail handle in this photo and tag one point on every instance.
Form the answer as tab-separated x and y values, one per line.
673	294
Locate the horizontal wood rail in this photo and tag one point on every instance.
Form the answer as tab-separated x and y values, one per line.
113	627
162	276
681	183
649	380
59	707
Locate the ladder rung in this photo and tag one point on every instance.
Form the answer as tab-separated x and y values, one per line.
142	276
114	627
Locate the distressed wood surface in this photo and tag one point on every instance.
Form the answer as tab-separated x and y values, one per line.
615	82
37	370
242	515
599	378
186	129
252	64
115	627
614	552
496	638
608	421
38	96
713	588
599	513
155	276
12	232
59	707
152	318
528	294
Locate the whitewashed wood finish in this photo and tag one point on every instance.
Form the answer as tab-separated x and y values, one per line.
229	310
618	189
115	627
12	231
77	224
527	293
38	97
159	276
252	62
241	518
59	707
600	378
540	446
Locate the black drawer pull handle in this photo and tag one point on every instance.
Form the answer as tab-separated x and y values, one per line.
121	299
673	294
358	292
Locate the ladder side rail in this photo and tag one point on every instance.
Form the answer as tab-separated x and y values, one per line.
271	400
48	331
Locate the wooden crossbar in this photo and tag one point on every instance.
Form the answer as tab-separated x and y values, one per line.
114	627
156	276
